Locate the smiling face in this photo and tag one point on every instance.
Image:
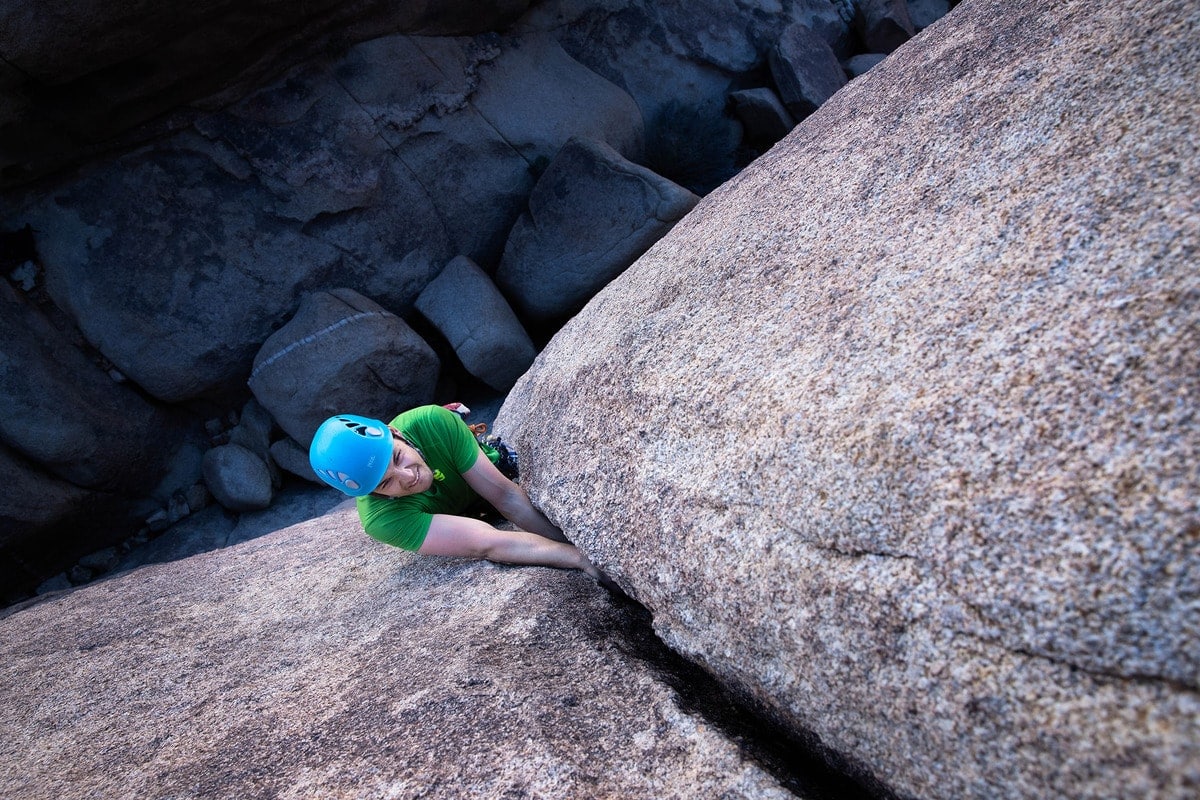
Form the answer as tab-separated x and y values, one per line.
407	474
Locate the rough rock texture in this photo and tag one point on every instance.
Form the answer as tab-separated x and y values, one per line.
898	432
468	309
590	216
341	352
314	662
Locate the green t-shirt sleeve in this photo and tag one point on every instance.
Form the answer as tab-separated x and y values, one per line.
394	522
448	446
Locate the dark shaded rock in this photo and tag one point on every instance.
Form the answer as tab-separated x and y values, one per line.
205	530
58	583
293	458
863	63
923	13
763	116
63	412
472	118
883	25
196	497
100	561
237	478
690	147
590	216
80	574
468	309
165	274
47	523
537	97
253	430
903	416
683	55
805	69
178	260
341	353
74	81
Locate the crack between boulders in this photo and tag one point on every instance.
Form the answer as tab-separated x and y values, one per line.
379	126
797	760
472	71
500	135
997	640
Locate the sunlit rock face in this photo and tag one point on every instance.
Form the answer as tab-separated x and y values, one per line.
316	662
896	430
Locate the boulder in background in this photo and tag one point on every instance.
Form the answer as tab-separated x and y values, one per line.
341	353
763	116
476	118
237	478
66	412
468	309
590	216
883	25
805	69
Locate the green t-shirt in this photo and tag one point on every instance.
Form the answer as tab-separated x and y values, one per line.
448	447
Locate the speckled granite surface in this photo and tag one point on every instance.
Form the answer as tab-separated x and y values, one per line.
897	430
316	663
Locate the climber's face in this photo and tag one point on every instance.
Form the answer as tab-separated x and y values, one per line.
407	474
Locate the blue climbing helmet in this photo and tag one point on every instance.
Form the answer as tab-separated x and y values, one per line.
351	453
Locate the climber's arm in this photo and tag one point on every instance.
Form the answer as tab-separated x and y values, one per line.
473	538
509	499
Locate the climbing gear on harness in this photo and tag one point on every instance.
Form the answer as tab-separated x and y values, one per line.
351	453
500	454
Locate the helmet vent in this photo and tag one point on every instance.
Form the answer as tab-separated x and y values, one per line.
340	477
365	431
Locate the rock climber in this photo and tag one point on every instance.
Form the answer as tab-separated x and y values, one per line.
413	479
